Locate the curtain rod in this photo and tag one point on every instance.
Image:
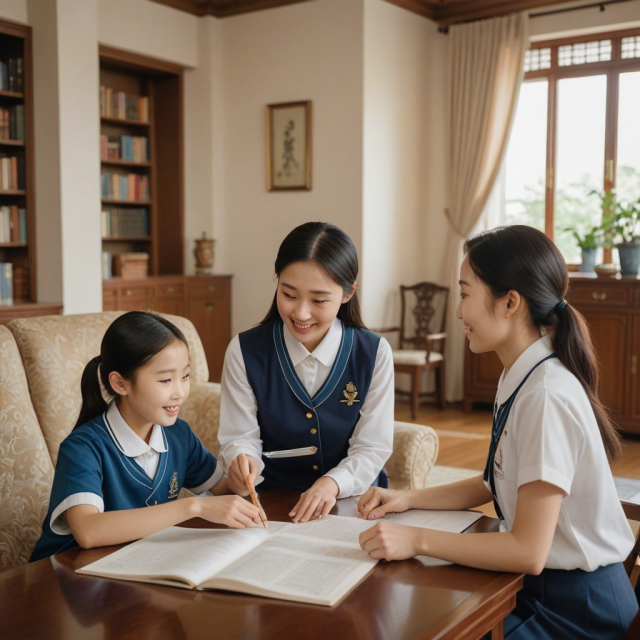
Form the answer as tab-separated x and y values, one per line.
444	28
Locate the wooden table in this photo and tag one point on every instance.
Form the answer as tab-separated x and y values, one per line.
397	600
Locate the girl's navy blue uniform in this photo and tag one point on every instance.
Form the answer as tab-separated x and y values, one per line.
290	419
90	462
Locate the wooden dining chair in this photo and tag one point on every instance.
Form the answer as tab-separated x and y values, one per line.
632	511
422	338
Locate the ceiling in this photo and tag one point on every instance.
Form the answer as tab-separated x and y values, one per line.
442	11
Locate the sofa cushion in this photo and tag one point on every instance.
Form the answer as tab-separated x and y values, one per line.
55	350
26	471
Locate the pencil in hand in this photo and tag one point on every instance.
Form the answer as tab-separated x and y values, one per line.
256	503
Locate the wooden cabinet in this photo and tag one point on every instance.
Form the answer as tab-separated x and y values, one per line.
205	300
611	308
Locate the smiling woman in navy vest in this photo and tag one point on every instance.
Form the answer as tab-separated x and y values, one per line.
310	375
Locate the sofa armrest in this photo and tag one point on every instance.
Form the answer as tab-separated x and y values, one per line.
202	412
415	449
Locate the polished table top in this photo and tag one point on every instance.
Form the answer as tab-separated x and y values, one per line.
417	598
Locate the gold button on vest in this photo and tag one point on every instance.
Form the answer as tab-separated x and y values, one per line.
309	415
315	467
314	431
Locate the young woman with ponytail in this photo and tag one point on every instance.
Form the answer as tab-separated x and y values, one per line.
548	466
120	471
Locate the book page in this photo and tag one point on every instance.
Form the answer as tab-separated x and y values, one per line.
335	528
296	575
192	555
452	521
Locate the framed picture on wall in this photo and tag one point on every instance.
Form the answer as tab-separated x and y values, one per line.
289	146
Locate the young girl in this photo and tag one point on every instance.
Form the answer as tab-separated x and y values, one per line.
121	469
310	377
548	466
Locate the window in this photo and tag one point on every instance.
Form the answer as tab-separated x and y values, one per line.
576	131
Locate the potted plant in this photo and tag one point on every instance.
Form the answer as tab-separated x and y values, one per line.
626	228
589	243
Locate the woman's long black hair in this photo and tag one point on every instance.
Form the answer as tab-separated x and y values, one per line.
334	252
129	343
523	259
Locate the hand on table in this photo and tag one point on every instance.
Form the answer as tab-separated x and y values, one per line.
317	501
242	466
233	511
389	541
376	502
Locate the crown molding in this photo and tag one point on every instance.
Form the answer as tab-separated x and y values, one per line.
441	11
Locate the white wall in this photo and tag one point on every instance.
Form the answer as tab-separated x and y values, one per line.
15	10
397	137
309	51
150	29
67	168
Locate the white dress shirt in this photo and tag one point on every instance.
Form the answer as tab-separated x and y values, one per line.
147	456
552	435
372	441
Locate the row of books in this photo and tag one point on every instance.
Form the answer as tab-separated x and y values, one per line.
119	223
6	283
132	186
129	148
118	104
12	75
12	122
13	225
11	173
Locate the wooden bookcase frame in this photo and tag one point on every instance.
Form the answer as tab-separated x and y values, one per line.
163	83
21	255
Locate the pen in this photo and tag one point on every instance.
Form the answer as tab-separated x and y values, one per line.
254	499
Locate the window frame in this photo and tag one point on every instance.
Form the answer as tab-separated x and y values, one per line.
612	69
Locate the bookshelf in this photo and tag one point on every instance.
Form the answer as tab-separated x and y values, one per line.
17	189
141	157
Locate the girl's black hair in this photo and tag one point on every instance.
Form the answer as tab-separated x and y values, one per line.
523	259
129	343
334	252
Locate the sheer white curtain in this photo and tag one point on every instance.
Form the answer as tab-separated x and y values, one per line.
485	74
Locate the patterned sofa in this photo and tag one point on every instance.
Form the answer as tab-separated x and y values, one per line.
41	363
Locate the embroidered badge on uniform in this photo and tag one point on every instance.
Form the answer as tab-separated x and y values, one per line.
173	487
350	394
497	465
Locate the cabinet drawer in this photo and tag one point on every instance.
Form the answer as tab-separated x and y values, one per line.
109	300
175	290
207	288
600	296
134	292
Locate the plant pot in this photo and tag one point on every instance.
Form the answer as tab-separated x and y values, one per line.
629	253
588	260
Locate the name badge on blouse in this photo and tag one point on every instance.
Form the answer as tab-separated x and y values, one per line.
173	487
497	465
350	394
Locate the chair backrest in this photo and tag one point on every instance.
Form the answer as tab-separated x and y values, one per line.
423	312
26	470
632	511
55	351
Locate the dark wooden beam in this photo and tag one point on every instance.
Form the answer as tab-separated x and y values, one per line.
224	8
466	10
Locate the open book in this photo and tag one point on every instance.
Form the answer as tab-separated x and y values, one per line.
317	562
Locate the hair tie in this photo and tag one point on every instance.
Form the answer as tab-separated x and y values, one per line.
560	306
97	359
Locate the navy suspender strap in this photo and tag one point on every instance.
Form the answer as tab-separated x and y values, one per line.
500	415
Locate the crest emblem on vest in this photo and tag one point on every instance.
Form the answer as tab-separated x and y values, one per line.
173	486
350	394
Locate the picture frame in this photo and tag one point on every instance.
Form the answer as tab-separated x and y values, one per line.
289	146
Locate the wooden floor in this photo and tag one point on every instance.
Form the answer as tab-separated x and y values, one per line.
464	437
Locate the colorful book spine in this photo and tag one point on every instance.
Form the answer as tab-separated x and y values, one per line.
6	283
124	106
125	223
128	187
12	75
13	225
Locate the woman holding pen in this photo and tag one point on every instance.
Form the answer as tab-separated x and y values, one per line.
307	395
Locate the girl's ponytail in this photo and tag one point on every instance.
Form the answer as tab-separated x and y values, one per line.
93	404
523	259
574	347
129	343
